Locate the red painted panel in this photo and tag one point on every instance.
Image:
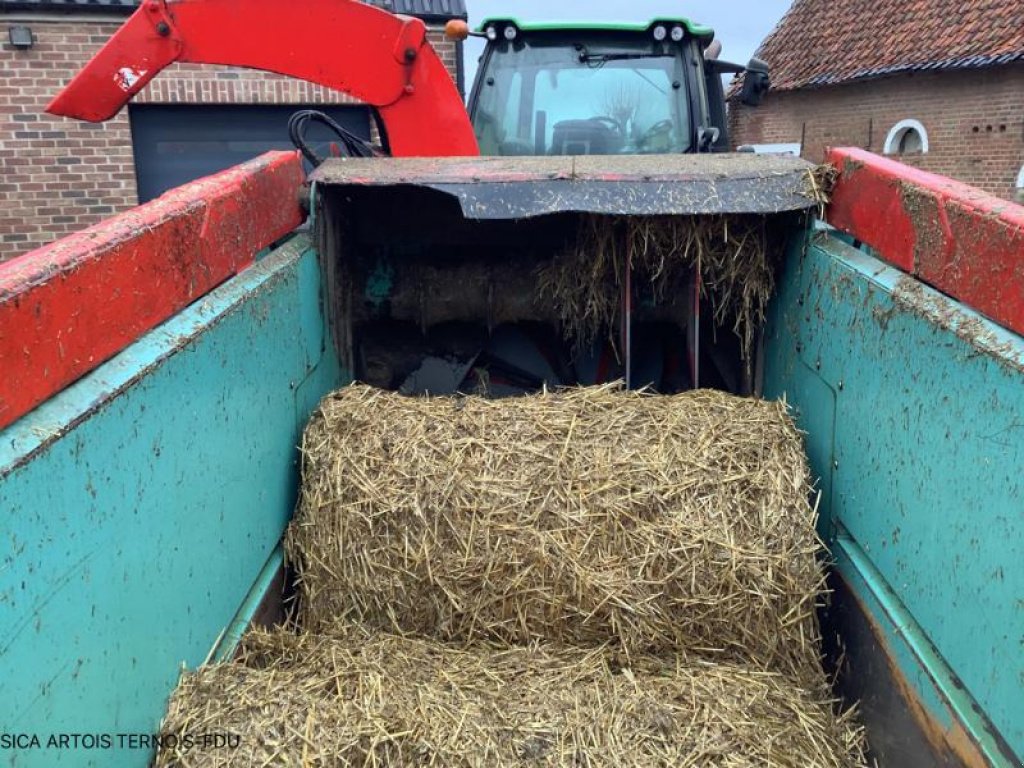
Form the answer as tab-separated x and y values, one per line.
379	58
69	306
958	239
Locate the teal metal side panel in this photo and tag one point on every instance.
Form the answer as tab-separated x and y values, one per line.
923	472
138	507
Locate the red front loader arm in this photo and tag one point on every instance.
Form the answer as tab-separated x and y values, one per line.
379	58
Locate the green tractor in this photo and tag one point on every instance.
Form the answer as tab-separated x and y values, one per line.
602	89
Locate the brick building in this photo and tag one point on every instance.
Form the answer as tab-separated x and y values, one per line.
60	175
938	84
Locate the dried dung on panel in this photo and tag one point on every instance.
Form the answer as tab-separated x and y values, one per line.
357	699
584	516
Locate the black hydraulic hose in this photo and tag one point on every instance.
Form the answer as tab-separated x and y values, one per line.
351	145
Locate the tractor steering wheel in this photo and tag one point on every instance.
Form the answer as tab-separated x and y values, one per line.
662	126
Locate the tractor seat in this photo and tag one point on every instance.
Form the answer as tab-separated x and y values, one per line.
584	137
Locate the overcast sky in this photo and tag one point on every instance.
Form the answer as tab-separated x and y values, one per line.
739	24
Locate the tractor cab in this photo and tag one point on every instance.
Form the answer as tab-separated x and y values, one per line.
600	89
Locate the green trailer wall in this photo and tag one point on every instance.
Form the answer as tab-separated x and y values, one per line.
913	408
141	504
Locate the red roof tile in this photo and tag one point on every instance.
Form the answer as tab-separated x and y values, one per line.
821	42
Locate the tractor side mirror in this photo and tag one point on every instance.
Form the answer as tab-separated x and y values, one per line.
755	83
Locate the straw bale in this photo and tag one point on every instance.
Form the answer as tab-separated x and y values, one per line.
358	699
584	516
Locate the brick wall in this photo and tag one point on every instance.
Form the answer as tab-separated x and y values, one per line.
60	175
974	120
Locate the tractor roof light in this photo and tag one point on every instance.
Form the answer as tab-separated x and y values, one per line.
677	34
491	32
660	33
511	32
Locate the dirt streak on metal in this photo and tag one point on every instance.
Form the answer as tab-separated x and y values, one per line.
910	295
925	214
456	170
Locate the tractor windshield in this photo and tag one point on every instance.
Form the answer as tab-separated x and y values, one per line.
564	96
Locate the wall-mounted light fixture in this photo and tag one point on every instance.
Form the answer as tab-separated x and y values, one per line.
21	37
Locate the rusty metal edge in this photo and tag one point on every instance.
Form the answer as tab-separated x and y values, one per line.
970	739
